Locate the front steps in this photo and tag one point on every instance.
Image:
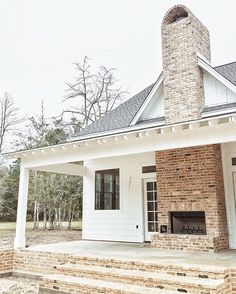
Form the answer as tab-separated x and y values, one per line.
95	275
159	280
65	273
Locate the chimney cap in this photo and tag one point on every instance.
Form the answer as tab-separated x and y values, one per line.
175	14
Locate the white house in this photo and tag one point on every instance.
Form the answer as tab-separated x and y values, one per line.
161	167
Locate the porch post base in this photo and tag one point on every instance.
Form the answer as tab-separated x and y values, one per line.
19	242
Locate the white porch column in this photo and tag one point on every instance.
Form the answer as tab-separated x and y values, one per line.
22	209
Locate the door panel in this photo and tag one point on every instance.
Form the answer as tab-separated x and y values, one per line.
233	215
150	208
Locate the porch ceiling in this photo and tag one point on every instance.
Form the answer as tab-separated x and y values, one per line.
65	168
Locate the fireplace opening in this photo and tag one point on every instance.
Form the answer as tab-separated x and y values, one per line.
188	222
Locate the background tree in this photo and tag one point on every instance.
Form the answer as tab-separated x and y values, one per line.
56	198
50	194
92	94
8	117
9	184
9	176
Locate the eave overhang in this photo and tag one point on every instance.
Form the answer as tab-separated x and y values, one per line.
130	134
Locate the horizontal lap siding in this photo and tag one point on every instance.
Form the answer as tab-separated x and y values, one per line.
117	225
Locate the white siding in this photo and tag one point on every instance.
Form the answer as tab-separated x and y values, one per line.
116	225
229	151
216	92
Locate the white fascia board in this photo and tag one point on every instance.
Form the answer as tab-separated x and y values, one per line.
204	65
147	100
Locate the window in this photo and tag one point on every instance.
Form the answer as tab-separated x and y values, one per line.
149	169
107	189
233	160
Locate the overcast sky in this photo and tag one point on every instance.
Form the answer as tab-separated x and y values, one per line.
40	39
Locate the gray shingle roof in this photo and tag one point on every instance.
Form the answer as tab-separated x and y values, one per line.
228	71
121	116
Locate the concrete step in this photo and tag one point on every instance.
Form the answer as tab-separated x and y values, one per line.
69	284
141	277
191	270
26	275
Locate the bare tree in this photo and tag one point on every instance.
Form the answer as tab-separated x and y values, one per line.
93	95
8	117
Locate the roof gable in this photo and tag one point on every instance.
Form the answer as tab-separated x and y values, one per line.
216	92
153	106
218	89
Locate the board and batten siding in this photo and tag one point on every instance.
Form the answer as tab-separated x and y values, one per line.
125	224
215	92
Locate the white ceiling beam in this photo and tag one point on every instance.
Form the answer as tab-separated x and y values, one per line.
177	128
213	122
166	130
233	119
66	168
194	125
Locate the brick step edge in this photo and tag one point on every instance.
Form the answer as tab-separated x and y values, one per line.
27	275
138	277
100	285
210	270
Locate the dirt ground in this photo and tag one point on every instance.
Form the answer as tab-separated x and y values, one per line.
18	286
35	237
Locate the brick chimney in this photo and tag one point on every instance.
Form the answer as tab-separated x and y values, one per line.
183	36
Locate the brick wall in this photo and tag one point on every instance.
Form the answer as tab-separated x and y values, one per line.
191	179
6	260
39	261
183	79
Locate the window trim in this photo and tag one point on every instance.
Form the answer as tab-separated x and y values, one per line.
113	172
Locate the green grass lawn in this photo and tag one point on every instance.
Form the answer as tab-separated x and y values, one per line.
11	226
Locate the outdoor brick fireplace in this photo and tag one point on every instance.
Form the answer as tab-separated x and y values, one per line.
188	222
191	201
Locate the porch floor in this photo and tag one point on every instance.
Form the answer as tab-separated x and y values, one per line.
140	252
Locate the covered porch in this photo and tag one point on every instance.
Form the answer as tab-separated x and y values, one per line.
130	152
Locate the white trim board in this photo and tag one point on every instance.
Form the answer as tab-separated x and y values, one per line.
147	100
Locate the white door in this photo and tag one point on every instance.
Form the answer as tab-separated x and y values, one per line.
232	232
150	208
